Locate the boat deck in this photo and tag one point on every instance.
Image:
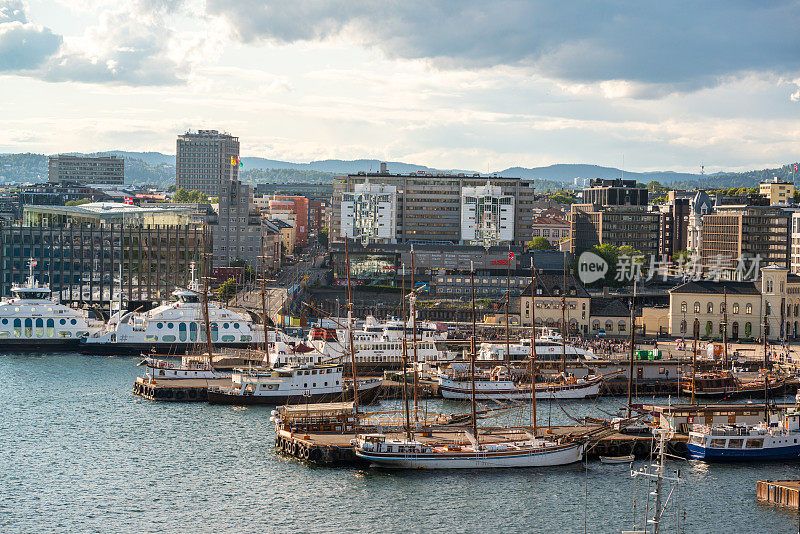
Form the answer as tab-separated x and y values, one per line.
177	389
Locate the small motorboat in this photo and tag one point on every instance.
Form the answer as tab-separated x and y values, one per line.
617	459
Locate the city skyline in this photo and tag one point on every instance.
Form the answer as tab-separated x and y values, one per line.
484	87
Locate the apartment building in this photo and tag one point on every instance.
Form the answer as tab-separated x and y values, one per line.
635	226
203	161
86	170
237	232
735	232
429	206
777	191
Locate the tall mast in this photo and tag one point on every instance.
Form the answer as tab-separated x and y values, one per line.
405	358
508	299
264	293
412	302
724	327
533	347
766	371
563	319
696	328
633	346
350	325
207	326
472	354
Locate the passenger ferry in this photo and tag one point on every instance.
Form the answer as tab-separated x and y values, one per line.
377	346
31	320
780	440
292	384
500	386
173	328
549	347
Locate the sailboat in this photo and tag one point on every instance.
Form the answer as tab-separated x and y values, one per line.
525	450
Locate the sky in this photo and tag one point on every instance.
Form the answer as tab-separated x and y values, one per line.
461	84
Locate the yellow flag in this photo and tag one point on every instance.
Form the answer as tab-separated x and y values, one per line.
233	161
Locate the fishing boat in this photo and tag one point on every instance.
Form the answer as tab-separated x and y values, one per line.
524	449
500	386
717	384
31	320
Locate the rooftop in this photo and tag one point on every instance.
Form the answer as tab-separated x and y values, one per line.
710	286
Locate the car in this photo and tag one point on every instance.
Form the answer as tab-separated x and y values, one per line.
283	283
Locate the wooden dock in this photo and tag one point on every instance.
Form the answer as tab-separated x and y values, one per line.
779	492
334	448
177	390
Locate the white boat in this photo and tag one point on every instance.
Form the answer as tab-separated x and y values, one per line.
31	320
780	440
617	459
376	345
159	369
173	328
292	384
383	451
548	348
499	386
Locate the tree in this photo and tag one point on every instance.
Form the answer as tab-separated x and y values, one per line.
539	243
226	290
323	237
563	198
78	202
185	195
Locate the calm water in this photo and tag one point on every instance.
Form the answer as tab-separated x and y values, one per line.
80	453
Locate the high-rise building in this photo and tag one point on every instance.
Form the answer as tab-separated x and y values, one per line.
635	226
237	234
615	193
368	214
487	216
85	170
744	232
429	206
203	161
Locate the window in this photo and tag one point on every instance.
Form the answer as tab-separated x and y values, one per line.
710	308
753	443
718	443
683	307
748	309
735	443
735	307
683	326
697	307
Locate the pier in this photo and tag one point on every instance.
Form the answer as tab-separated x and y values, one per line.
177	390
779	492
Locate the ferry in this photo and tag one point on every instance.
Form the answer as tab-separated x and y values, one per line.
780	440
31	319
377	346
173	328
549	347
500	386
158	369
292	384
402	453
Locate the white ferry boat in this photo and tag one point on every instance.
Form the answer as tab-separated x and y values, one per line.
292	384
499	386
376	346
31	320
780	440
158	369
549	347
173	328
402	453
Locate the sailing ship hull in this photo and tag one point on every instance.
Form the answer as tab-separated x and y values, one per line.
731	393
367	394
505	390
564	455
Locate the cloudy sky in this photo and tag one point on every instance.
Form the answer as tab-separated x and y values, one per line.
464	84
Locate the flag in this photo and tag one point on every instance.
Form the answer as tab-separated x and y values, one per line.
510	255
795	168
236	160
128	200
34	263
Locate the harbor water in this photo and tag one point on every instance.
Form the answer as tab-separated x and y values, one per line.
80	453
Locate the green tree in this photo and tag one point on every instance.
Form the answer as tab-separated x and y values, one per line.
226	290
323	237
539	243
78	202
185	195
562	197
